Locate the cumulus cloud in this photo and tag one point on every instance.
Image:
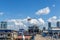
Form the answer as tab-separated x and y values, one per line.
41	21
30	21
58	19
45	10
24	23
34	22
18	23
52	19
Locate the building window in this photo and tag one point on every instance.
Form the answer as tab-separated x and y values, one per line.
9	35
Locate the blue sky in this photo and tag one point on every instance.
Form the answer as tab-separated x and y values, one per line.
21	9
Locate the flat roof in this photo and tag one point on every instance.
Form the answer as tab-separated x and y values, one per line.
55	28
6	30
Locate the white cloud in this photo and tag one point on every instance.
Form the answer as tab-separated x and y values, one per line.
24	23
26	20
52	19
28	17
18	23
41	21
30	21
45	10
34	22
58	19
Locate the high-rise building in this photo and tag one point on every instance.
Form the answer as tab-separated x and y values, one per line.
58	24
3	25
33	29
44	28
49	25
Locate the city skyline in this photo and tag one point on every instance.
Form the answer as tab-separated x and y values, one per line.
40	11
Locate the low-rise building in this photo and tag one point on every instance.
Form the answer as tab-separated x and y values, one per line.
33	29
6	34
22	36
